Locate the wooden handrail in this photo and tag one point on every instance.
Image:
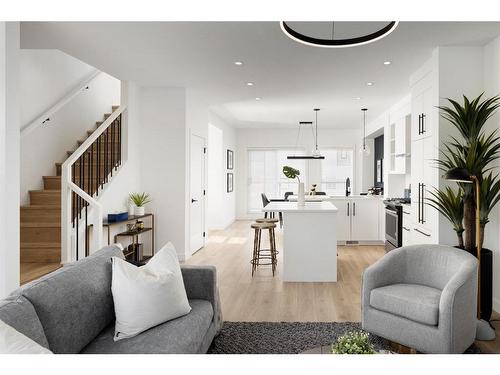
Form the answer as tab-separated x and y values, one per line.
41	119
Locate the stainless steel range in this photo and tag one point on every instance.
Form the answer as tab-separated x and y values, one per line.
394	222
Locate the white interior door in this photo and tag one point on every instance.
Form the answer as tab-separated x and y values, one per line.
197	198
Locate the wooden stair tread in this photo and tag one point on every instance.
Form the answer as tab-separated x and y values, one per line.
38	207
35	245
45	191
40	225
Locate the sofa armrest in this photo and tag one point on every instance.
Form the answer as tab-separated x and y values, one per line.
201	283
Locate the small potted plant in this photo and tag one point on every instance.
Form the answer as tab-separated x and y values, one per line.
139	200
353	343
292	173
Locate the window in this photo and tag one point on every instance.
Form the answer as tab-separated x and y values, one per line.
337	166
265	175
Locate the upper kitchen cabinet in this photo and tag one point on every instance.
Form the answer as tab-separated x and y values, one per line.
400	145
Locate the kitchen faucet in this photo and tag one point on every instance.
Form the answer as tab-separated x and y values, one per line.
347	187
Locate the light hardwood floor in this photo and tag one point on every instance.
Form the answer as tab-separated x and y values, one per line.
264	298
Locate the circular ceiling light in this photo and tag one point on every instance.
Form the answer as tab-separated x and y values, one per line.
387	62
239	63
249	83
333	42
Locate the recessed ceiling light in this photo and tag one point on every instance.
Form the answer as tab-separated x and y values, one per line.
357	98
239	63
369	83
387	62
257	98
249	83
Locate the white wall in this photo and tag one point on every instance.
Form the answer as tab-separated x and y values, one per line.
46	77
9	157
286	138
162	121
221	205
491	79
47	144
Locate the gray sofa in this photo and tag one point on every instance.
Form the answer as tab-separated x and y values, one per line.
71	311
424	297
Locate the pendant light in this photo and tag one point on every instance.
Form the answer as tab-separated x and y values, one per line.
365	149
331	41
316	154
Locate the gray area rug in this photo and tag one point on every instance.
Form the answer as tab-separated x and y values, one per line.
285	338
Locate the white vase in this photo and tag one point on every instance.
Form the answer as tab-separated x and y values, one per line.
300	196
131	209
139	211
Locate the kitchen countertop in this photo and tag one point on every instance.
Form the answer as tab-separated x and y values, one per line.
293	207
321	198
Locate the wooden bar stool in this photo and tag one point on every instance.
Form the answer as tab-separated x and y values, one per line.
259	254
272	220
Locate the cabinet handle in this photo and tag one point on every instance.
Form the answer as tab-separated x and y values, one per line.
418	202
347	208
423	123
419	231
353	208
406	229
419	124
422	200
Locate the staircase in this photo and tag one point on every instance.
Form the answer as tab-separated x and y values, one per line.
40	220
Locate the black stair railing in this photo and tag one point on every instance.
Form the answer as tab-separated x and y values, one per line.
91	171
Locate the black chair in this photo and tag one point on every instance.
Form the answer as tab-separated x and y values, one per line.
287	194
265	202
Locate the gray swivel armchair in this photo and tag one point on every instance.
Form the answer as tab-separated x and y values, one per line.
422	296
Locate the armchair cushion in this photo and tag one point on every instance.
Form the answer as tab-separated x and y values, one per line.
411	301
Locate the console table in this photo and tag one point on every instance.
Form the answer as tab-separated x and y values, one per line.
133	233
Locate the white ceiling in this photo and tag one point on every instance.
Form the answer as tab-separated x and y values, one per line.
291	78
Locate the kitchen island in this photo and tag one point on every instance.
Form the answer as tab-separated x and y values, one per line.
309	241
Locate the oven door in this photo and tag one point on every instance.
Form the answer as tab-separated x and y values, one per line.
392	226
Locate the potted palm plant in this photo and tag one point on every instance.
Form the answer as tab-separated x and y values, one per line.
475	151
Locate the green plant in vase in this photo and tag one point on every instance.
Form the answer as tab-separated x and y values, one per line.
293	173
139	200
451	205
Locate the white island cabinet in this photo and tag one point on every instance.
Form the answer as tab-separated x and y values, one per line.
309	241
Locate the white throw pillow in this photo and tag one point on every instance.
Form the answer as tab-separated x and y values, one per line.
14	342
149	295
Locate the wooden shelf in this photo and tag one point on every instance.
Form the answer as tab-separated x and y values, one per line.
134	232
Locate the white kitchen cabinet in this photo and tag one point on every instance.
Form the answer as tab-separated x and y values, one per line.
422	117
358	219
364	220
401	145
343	221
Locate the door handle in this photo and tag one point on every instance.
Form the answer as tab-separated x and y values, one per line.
419	124
423	124
353	208
347	208
418	202
193	200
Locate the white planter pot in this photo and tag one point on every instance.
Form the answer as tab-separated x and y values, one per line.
300	196
139	211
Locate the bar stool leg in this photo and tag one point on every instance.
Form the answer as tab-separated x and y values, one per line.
272	246
259	239
254	257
